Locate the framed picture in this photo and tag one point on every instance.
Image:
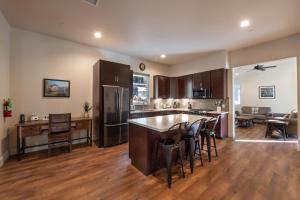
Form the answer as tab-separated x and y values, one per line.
267	92
56	88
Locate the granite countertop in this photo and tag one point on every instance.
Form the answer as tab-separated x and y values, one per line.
163	123
159	110
173	109
218	113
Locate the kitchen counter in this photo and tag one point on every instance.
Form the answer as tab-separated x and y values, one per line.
174	109
159	110
144	135
163	123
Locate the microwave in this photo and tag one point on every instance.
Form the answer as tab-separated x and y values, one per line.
201	93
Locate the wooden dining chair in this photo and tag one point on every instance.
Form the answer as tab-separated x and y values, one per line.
60	133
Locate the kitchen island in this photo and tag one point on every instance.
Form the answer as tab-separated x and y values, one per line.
144	133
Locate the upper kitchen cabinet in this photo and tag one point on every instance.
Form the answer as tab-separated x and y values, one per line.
185	87
161	87
219	84
115	73
201	80
174	87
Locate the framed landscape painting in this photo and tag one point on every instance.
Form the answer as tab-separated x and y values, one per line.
56	88
267	92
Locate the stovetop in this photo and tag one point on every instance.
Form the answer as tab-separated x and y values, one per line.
200	111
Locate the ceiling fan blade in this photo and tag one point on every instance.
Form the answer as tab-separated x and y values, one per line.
270	67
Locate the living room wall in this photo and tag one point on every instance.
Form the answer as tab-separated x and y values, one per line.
283	77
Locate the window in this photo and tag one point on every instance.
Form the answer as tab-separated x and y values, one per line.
141	89
237	94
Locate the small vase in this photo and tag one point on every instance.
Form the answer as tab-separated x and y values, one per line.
86	115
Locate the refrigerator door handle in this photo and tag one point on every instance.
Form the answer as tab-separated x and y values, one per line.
120	103
116	100
112	125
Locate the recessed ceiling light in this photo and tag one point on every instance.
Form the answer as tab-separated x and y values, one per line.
97	35
163	56
245	23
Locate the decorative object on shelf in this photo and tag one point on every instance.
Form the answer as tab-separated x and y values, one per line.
22	119
56	88
87	108
7	108
34	117
267	92
219	105
142	66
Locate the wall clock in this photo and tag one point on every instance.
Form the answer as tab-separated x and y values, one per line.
142	67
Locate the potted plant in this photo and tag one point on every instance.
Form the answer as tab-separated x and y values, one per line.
87	108
7	108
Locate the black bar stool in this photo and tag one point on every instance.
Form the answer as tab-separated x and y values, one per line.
209	132
169	145
193	141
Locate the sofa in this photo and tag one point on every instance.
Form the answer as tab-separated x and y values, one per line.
292	118
260	114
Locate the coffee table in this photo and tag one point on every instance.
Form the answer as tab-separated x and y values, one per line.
244	121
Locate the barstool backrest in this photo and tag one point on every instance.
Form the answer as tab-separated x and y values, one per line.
177	131
196	127
211	124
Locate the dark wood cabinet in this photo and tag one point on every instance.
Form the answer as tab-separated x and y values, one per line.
114	73
218	84
182	87
201	80
174	87
185	87
161	87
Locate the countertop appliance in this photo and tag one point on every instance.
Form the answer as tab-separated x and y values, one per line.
115	114
201	93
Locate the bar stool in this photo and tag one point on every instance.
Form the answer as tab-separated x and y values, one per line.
209	132
169	145
192	141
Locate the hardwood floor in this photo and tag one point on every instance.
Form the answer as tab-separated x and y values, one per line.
257	132
242	171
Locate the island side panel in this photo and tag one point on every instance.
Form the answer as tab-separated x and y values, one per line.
142	148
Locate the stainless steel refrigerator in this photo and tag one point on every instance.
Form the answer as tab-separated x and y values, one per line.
116	113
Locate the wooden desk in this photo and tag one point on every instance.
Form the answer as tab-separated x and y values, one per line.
34	128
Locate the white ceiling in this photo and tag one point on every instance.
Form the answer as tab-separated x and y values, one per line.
181	29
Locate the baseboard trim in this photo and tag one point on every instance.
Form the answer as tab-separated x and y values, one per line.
3	158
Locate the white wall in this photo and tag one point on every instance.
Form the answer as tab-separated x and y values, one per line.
283	77
4	82
206	62
35	57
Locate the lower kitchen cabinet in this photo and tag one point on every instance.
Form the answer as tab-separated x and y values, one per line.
222	126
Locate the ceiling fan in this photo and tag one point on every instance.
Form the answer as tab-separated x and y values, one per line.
261	67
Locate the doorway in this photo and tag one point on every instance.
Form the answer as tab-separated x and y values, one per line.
265	102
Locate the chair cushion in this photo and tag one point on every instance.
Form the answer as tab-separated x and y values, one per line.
264	110
246	110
